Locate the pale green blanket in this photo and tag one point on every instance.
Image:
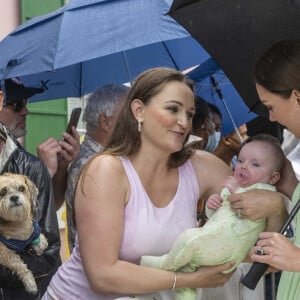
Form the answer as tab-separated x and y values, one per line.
225	237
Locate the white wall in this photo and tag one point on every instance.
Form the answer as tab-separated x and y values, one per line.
9	16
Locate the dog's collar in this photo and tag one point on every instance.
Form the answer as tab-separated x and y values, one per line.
21	245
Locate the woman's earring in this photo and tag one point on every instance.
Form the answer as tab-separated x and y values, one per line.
139	125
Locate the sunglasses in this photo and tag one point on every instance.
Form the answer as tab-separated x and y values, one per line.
18	106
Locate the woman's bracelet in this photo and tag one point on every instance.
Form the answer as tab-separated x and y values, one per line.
175	280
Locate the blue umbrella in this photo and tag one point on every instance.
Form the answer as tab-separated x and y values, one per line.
213	85
81	78
86	43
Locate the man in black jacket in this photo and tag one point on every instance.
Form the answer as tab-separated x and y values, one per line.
13	117
14	159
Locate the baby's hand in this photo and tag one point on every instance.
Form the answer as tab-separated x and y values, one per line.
214	201
231	183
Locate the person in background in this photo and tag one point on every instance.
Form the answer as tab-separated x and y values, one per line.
55	154
207	124
214	139
14	159
138	195
100	115
203	126
216	116
230	145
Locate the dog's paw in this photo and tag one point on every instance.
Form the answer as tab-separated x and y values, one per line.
30	285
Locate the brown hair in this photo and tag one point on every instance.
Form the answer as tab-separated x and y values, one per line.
278	69
125	138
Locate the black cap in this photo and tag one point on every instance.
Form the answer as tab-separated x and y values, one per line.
16	91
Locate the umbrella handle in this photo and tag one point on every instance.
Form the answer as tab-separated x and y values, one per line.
220	95
257	269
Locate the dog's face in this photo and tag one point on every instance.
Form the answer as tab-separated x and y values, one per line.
18	196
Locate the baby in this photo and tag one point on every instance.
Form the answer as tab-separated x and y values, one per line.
226	236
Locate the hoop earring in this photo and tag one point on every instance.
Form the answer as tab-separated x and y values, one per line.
139	125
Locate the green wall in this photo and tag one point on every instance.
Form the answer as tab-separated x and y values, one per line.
46	118
33	8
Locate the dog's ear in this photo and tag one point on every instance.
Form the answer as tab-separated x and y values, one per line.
33	193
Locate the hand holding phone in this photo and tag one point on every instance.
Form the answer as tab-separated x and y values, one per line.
75	115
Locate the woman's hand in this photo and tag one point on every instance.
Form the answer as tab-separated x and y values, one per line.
205	277
278	252
257	204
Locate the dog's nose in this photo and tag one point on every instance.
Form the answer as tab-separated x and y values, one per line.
14	199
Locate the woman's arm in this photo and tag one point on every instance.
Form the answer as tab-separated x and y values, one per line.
288	180
100	218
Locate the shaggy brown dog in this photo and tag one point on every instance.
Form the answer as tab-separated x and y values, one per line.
18	230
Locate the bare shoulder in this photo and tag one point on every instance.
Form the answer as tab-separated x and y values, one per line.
203	158
211	172
107	164
106	173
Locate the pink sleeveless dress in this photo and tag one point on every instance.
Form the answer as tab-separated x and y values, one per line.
148	230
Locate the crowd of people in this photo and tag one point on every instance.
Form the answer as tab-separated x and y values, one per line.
134	185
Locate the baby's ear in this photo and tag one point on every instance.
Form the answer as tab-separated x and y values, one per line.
33	193
274	178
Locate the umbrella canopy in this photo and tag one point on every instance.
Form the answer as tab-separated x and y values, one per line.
86	43
81	78
236	33
214	86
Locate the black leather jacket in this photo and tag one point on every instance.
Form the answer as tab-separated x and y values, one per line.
44	266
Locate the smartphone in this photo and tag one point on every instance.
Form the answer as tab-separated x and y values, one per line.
75	115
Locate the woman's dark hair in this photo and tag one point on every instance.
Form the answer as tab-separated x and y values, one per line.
202	112
278	69
215	110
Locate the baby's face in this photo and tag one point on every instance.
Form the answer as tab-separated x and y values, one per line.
255	164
